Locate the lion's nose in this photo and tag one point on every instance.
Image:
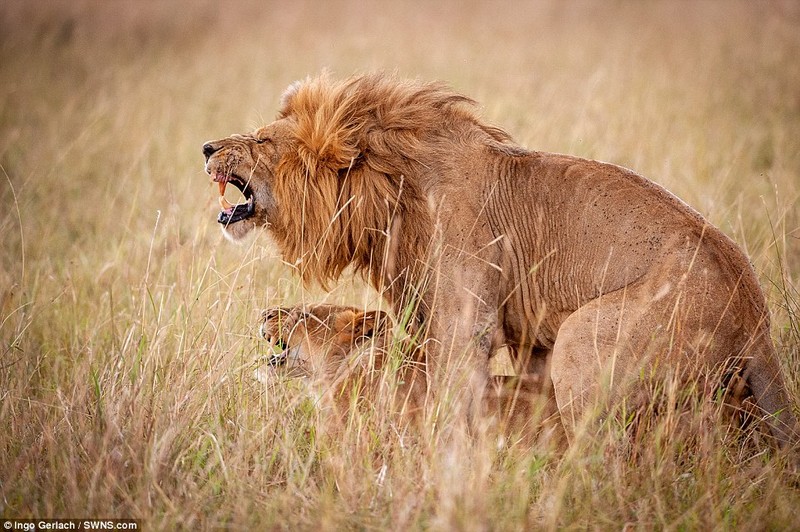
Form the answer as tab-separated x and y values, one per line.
209	149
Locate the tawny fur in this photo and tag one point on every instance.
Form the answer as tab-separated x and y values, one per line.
580	267
343	350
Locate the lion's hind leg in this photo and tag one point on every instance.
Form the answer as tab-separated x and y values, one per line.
605	349
763	376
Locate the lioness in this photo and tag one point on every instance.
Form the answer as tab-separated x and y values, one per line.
603	275
346	349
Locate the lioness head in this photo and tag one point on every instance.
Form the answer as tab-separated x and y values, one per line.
318	340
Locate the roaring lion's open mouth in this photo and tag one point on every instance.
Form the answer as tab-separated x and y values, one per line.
234	213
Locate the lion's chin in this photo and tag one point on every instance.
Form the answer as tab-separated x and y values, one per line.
238	231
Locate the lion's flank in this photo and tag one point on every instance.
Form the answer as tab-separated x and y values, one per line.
364	147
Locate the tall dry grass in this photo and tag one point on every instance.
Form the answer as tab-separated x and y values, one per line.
128	324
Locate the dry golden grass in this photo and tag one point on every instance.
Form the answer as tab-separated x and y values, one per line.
127	324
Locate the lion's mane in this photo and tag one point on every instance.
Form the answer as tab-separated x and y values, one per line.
361	143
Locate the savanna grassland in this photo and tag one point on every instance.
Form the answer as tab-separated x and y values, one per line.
128	324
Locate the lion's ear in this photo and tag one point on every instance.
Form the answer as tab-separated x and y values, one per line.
287	99
288	96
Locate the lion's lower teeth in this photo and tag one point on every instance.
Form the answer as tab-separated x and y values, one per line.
225	204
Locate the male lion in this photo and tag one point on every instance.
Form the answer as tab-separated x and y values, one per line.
576	265
346	350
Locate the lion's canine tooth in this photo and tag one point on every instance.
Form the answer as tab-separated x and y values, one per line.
224	203
222	185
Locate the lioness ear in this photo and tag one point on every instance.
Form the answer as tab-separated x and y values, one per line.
370	324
